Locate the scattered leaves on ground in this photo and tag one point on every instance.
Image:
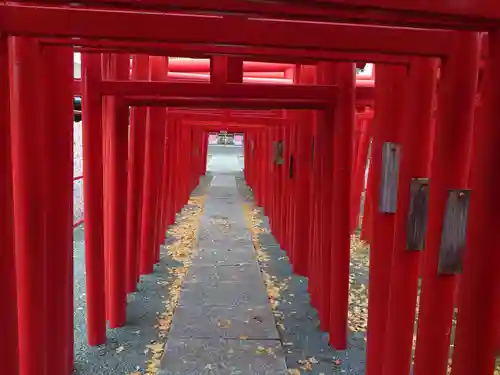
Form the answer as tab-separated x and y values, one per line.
185	233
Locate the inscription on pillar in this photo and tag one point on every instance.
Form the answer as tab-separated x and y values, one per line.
290	167
454	232
416	227
278	152
389	178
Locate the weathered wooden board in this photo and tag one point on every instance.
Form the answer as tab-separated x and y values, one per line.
416	227
278	152
391	155
454	232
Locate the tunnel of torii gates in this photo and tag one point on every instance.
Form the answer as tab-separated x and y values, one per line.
430	123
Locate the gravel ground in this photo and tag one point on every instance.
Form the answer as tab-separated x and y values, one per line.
306	347
128	348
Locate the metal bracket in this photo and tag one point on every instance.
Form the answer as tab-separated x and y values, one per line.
454	232
389	178
416	225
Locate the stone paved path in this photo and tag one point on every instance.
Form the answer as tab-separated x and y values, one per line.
223	324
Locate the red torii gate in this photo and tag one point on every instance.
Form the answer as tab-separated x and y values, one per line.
443	136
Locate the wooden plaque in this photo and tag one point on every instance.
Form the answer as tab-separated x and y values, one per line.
416	227
278	152
454	232
389	178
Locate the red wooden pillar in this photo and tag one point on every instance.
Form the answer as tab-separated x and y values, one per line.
314	214
265	174
341	241
58	114
155	143
117	132
248	155
181	164
204	152
245	155
389	86
475	345
195	153
178	166
256	162
162	196
274	191
283	186
327	74
135	177
288	204
253	159
415	141
172	173
185	162
303	204
167	179
8	313
291	198
457	84
366	225
29	167
158	116
93	195
264	171
358	179
268	180
108	114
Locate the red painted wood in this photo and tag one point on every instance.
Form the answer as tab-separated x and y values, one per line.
117	133
135	178
302	239
58	113
389	83
358	175
93	195
226	91
90	23
8	314
30	202
475	346
448	170
341	234
392	12
415	140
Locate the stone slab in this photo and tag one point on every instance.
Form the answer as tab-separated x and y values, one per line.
223	357
224	256
256	322
214	274
248	293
